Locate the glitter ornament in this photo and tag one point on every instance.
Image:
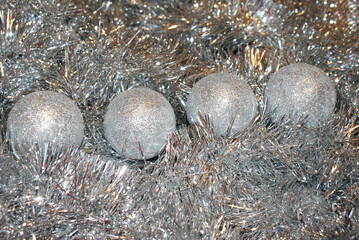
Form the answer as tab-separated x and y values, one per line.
46	119
300	90
138	122
226	98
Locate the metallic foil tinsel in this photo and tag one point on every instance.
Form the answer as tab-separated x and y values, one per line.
271	181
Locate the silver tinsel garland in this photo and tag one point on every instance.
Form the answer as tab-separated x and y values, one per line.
272	181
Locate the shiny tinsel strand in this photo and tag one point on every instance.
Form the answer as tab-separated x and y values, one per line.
281	181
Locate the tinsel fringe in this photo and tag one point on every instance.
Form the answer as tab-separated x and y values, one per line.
270	181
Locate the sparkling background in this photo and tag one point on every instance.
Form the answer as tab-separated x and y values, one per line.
272	181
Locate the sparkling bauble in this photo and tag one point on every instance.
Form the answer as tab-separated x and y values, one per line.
46	119
300	90
226	99
138	122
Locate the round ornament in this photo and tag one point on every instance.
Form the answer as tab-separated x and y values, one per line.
226	99
138	122
300	90
46	119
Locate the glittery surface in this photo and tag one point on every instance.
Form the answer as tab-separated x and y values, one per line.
45	118
271	181
226	98
138	123
301	90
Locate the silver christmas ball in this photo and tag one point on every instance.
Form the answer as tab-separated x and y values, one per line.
46	119
226	99
138	122
300	90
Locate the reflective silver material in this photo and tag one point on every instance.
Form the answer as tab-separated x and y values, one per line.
138	122
301	91
226	99
45	119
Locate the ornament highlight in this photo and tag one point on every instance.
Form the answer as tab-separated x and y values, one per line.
138	122
226	98
300	90
46	119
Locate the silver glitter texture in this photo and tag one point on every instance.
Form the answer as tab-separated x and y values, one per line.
138	122
270	182
301	90
46	119
226	98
